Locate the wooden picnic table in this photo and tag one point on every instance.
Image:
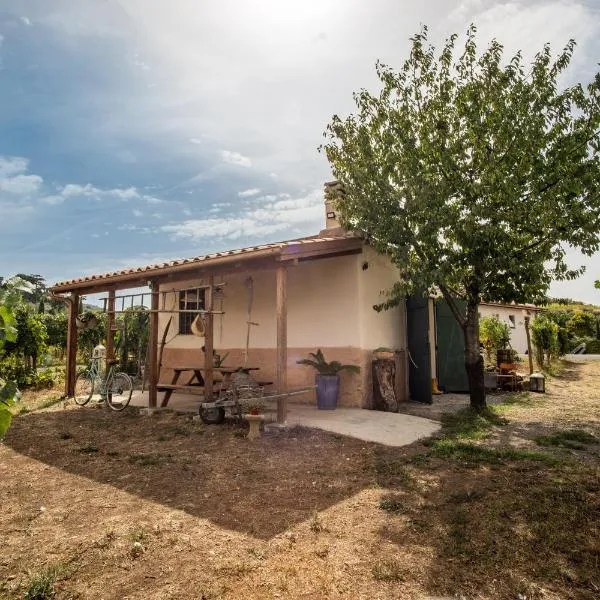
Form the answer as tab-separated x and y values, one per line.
196	380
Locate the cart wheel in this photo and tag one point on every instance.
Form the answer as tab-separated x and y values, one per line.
212	416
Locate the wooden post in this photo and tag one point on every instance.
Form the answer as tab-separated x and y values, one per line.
281	342
110	326
529	352
152	346
208	341
71	370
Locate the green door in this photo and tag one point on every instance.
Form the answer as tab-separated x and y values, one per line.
452	375
419	357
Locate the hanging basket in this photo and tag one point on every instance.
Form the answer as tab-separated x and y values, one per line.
198	327
82	323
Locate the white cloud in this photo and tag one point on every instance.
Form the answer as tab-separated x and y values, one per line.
196	141
14	178
75	190
137	213
284	215
219	228
22	185
12	165
249	193
235	158
26	21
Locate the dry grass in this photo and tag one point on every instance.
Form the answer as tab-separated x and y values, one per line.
164	507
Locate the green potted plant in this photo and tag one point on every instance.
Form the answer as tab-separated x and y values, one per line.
327	378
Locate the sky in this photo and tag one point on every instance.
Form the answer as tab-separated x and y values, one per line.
136	131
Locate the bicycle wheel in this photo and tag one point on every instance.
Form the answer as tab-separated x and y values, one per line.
119	391
84	388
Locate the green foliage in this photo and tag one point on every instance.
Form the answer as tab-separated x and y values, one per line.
41	586
56	327
9	392
326	368
493	334
592	347
131	340
544	334
473	173
582	324
31	342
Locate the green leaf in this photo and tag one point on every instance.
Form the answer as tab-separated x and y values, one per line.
5	419
8	393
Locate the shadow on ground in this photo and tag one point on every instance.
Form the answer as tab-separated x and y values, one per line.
260	488
502	530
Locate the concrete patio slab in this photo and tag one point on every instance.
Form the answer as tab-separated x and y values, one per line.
389	429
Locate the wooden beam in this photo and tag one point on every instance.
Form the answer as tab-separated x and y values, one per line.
110	325
71	368
281	342
208	341
529	348
152	360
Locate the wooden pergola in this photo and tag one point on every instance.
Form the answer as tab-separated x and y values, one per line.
276	257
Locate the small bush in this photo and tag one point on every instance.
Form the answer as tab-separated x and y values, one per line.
41	585
44	379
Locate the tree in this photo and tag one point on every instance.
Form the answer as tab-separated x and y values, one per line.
474	175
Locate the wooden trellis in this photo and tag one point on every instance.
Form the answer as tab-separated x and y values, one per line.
136	303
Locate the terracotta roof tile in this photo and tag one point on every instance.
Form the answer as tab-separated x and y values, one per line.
200	259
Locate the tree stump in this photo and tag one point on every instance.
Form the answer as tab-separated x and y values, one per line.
384	383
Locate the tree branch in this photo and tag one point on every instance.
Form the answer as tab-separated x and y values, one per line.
452	305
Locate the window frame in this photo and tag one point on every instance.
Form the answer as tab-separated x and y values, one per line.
189	299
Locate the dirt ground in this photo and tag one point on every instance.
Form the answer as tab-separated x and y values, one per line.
100	505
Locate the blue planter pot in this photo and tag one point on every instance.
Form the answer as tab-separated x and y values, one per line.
328	390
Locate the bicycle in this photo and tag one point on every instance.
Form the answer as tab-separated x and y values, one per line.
114	389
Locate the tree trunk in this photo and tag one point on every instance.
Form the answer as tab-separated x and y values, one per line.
473	358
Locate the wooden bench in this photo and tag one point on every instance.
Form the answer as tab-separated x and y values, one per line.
174	387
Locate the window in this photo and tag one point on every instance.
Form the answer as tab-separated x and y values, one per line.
512	323
189	300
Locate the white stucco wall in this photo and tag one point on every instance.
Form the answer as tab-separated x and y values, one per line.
330	304
518	337
385	328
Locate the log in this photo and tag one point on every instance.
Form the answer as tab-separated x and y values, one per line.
384	383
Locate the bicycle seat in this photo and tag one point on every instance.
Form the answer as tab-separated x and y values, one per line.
112	361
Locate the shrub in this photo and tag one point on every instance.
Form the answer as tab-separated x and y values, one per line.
544	332
582	324
44	379
493	334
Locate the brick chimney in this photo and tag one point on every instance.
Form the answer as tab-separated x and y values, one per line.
332	224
